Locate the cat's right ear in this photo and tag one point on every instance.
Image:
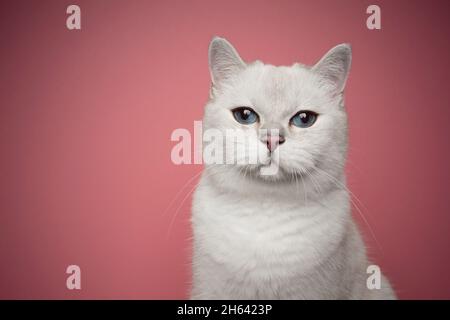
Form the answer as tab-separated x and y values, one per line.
224	61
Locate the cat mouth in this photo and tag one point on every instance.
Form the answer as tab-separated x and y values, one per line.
271	171
267	171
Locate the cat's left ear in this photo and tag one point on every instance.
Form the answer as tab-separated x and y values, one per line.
334	67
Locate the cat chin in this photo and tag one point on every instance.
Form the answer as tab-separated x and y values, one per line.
268	174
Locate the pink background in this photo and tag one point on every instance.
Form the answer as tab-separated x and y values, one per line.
86	118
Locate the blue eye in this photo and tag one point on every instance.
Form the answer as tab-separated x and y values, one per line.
245	115
304	119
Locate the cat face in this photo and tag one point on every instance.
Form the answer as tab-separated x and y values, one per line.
291	119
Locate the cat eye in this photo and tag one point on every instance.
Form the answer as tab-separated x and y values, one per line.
245	115
304	119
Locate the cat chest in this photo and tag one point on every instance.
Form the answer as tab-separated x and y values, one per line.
264	238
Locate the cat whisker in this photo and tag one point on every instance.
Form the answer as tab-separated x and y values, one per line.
208	174
180	191
305	193
316	187
343	187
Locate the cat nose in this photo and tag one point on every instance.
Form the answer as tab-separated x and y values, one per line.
273	142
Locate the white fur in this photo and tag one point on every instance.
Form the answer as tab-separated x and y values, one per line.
291	235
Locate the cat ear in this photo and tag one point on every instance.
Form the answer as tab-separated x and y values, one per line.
334	67
224	61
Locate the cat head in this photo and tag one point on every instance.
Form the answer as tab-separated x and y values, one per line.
292	117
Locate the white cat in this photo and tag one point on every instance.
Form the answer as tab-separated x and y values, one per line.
288	235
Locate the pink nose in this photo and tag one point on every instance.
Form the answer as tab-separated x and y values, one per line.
273	142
